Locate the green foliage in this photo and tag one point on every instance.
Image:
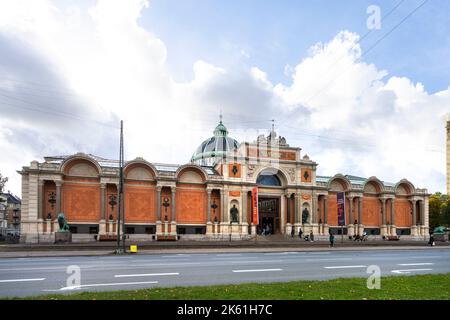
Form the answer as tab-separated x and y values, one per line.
419	287
439	210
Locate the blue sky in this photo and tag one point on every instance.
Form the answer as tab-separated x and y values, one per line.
169	68
276	33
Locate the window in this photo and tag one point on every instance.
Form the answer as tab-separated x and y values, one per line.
130	230
93	230
73	229
268	180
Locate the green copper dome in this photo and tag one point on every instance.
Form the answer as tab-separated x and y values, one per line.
215	148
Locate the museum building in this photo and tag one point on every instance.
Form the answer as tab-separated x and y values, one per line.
228	190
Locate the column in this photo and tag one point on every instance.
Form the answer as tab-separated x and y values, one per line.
244	212
58	204
288	215
315	213
325	214
351	227
41	207
102	225
158	211
414	219
393	229
360	225
173	228
297	223
58	196
208	221
383	230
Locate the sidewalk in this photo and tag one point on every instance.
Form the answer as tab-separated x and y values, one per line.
102	249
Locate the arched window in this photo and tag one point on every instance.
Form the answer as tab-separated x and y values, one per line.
268	180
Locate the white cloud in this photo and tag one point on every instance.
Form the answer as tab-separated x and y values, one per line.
107	67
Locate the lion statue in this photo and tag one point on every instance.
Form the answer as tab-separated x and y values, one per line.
63	226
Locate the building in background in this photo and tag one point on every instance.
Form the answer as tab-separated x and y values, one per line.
214	196
10	207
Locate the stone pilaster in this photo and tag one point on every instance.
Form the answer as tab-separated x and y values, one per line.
414	219
350	227
159	230
209	228
383	229
173	225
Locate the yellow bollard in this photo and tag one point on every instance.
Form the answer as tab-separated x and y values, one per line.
133	248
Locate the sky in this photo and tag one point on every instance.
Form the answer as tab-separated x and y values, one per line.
357	100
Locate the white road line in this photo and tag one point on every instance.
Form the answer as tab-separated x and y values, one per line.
146	275
228	254
106	284
345	267
257	270
22	280
416	264
328	259
409	270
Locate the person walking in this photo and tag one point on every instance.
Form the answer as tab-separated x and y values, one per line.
311	236
431	241
300	232
292	232
331	239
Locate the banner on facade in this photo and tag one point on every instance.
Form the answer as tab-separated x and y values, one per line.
255	216
341	208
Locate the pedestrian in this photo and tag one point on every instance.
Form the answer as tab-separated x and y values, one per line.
292	232
431	241
300	232
331	239
311	236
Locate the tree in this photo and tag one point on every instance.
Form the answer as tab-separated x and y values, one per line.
446	214
3	181
439	208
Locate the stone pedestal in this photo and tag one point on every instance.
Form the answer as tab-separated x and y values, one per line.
63	237
173	228
216	228
49	225
414	231
315	228
253	229
244	228
102	227
296	228
288	229
209	228
326	230
55	225
360	229
350	230
158	228
111	227
235	228
224	228
166	228
393	230
383	230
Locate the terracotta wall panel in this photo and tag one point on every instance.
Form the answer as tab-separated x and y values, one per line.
191	205
371	215
81	202
140	204
332	210
402	211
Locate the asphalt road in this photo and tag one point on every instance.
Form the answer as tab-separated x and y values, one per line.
35	276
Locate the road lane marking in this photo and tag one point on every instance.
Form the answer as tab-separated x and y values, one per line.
328	259
22	280
416	264
228	254
146	275
409	270
257	270
345	267
106	285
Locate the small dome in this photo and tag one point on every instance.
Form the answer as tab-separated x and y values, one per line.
215	148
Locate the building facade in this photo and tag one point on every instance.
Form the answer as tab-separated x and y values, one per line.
213	196
10	206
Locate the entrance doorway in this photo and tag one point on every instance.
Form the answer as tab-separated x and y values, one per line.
269	217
